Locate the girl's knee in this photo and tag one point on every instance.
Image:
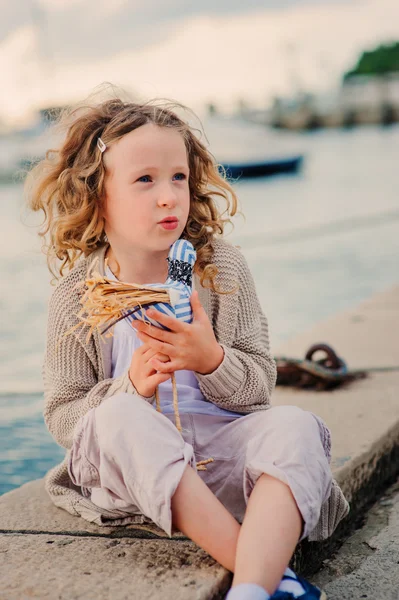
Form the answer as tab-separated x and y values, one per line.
123	412
309	429
293	417
121	407
129	418
292	427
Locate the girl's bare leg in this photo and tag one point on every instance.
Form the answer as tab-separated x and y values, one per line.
269	534
198	514
256	552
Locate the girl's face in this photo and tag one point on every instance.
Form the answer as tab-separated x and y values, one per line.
146	181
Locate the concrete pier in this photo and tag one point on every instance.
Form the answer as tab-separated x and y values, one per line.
47	553
366	566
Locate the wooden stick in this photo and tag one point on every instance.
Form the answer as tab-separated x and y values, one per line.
158	403
175	403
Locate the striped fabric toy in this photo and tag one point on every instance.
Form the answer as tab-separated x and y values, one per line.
181	259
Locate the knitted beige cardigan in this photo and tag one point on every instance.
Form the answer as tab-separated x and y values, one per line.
77	375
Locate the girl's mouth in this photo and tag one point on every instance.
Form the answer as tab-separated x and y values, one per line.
169	224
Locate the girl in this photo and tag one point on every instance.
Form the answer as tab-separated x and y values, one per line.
122	169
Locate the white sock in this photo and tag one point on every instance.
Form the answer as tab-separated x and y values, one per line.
288	585
247	591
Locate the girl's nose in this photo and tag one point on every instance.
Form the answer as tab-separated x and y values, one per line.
167	197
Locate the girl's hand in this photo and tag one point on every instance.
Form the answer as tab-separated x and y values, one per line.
189	346
142	373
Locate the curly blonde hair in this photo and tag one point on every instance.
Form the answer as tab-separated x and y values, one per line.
68	185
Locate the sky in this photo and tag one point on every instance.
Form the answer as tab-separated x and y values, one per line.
58	51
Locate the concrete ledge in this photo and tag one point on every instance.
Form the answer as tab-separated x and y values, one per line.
363	417
366	335
366	565
64	567
364	421
37	514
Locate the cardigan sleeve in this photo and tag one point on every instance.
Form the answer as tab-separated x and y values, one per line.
246	377
71	371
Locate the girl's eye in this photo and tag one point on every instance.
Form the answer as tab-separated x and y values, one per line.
181	176
147	178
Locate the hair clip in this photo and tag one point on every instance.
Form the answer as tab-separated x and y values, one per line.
100	145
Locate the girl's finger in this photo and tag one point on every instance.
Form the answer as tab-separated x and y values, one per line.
163	367
159	378
148	352
151	353
162	357
170	322
161	347
148	368
147	349
155	332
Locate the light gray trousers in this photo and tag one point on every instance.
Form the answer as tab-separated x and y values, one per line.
132	458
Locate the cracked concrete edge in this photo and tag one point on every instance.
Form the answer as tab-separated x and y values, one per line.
48	567
29	508
135	533
366	564
373	477
361	467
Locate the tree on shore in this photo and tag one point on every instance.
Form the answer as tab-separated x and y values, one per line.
381	61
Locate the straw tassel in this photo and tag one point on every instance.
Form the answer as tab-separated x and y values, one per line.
106	302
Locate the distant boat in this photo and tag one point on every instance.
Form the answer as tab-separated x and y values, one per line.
265	168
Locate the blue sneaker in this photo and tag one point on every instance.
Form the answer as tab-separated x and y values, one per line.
311	592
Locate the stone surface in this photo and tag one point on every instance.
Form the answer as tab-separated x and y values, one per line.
29	509
68	568
366	336
363	419
367	565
